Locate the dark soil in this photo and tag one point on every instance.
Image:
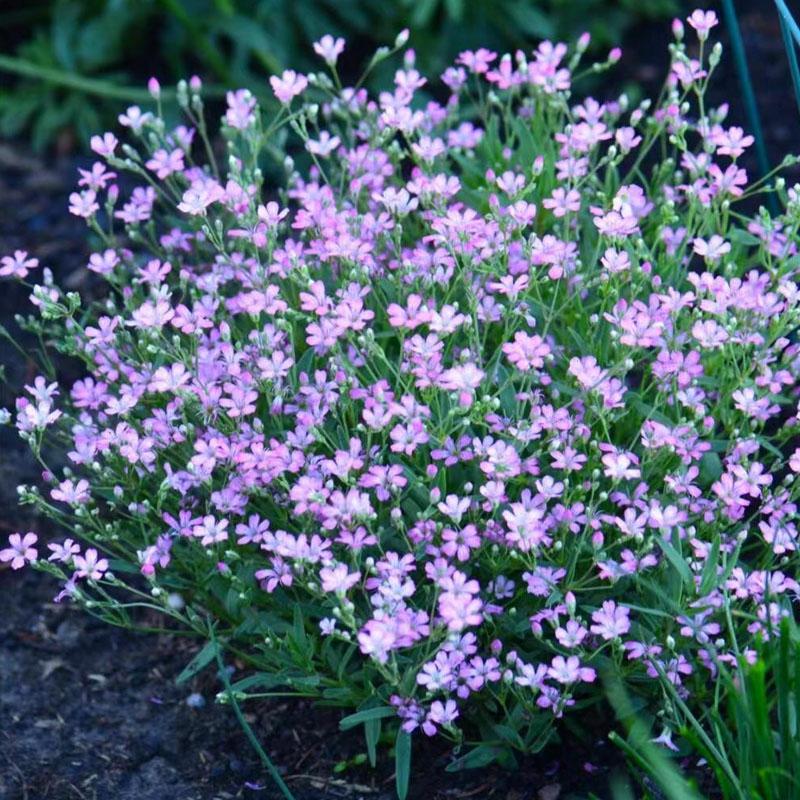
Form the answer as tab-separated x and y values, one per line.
90	712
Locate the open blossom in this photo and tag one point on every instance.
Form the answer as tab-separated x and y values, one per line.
527	352
477	61
288	85
90	565
337	578
440	714
460	610
329	49
241	108
620	466
135	119
611	620
211	530
20	550
17	265
561	202
324	146
84	204
71	492
702	22
63	552
569	670
713	249
104	145
197	199
165	162
464	380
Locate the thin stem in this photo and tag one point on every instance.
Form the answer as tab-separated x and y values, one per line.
80	83
251	737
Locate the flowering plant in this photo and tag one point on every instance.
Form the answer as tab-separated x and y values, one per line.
494	392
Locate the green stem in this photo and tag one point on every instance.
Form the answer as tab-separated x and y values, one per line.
251	737
750	105
80	83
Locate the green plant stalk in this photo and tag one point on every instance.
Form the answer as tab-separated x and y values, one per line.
248	731
751	107
93	86
791	41
639	748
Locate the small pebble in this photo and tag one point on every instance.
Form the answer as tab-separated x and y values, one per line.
195	700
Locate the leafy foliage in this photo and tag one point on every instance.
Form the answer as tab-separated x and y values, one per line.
78	58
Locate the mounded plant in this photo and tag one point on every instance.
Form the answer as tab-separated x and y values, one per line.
485	391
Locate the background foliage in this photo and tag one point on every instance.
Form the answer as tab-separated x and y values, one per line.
67	64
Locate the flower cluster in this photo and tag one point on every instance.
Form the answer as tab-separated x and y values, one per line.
494	388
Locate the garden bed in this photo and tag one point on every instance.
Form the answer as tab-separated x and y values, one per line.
92	712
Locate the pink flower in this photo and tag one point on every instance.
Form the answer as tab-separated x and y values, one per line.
569	670
84	204
103	263
211	531
463	379
72	493
561	202
571	635
329	49
164	163
406	438
134	118
620	466
338	579
611	621
20	550
196	200
63	552
440	714
279	574
713	249
241	108
90	566
527	352
324	146
289	85
104	145
18	265
702	22
377	639
477	61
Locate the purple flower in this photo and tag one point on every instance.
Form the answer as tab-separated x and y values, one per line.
20	550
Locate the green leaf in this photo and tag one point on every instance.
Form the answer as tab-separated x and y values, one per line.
741	236
710	468
199	662
480	756
379	712
261	679
372	732
402	763
676	559
299	630
709	577
304	362
509	735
